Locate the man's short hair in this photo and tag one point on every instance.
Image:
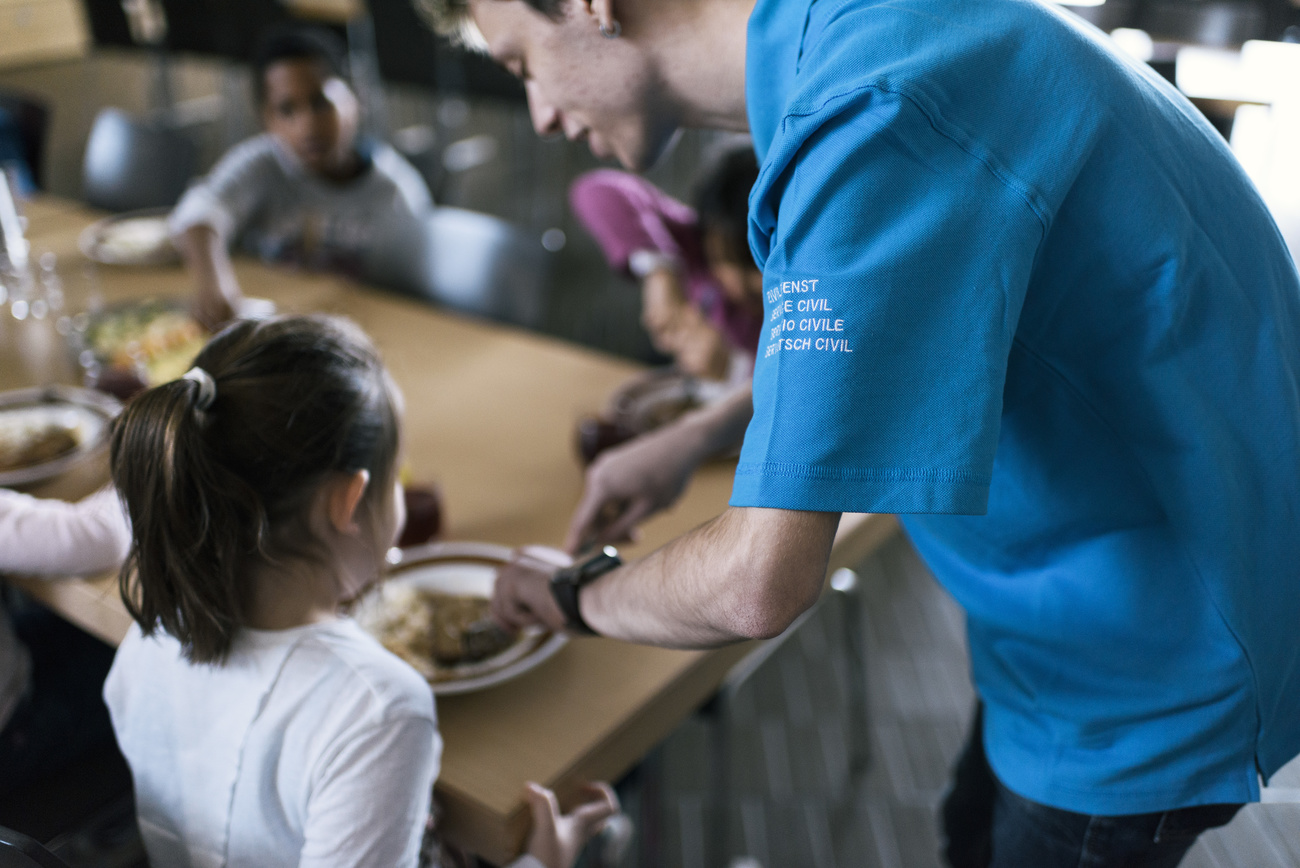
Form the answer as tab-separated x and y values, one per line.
451	18
297	42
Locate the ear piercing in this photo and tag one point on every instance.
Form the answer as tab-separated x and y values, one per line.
611	32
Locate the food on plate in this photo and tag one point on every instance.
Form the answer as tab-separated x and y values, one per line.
136	238
32	435
435	631
157	337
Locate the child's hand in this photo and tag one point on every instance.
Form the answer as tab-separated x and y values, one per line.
214	309
557	839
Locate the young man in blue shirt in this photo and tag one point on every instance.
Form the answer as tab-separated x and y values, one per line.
1019	292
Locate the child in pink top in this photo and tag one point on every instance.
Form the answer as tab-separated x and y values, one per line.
701	293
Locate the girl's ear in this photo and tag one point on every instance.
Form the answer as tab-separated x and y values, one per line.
343	498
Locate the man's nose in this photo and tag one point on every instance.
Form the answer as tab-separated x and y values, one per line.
546	117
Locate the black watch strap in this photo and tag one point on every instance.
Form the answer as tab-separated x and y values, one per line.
566	584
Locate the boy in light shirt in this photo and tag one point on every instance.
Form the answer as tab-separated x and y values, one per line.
308	191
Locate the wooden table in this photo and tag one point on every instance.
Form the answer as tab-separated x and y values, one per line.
490	415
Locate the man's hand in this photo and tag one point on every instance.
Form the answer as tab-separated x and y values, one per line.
213	309
522	595
556	839
627	484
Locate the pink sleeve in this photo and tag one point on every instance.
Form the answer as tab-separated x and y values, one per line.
626	213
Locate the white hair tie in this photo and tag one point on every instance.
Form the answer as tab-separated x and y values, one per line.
207	387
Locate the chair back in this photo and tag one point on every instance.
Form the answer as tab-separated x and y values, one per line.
20	851
31	117
131	164
480	264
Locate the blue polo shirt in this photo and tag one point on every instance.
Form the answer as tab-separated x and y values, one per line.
1018	289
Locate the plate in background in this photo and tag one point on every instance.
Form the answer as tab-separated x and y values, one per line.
82	414
133	238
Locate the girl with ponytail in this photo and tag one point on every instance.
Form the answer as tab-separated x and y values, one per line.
262	726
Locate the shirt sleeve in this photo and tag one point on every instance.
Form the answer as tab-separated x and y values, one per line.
895	257
369	806
626	214
55	538
231	193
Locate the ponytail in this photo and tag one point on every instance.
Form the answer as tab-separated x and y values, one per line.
217	469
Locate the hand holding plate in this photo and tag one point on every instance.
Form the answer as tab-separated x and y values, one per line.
522	595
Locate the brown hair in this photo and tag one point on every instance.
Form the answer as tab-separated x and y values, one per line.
722	201
213	491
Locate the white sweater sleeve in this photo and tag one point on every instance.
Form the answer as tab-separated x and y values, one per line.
231	192
56	538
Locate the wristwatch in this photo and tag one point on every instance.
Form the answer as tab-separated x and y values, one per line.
566	583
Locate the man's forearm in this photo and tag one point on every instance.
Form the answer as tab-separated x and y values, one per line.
747	574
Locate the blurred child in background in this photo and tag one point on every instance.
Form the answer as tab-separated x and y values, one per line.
308	191
702	295
262	726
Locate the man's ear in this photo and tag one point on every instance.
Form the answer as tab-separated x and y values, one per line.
343	498
603	13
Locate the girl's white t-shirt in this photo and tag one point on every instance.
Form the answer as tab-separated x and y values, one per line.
311	747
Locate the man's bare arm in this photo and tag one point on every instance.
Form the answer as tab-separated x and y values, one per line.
747	574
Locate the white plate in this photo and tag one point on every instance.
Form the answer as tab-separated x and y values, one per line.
464	568
133	238
85	411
